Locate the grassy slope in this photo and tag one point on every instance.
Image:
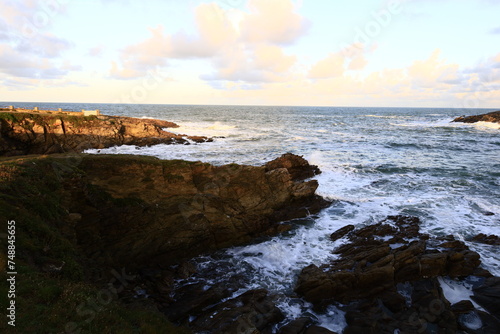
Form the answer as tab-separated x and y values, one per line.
31	193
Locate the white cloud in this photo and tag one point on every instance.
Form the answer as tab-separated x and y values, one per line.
244	49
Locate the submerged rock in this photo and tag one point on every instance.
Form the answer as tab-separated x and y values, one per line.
493	117
486	239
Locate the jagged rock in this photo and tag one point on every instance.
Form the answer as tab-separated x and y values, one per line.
380	256
341	232
25	133
297	326
318	330
488	296
489	117
137	211
297	166
251	312
486	239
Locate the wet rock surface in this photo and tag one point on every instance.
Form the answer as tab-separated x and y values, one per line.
486	239
493	117
386	280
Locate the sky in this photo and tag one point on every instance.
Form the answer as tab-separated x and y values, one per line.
390	53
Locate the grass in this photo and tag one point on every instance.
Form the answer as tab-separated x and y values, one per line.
34	192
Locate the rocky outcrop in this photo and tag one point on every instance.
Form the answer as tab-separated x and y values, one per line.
133	211
493	117
25	133
386	279
486	239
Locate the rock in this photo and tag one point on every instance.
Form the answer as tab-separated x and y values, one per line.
340	233
297	326
428	312
138	211
318	330
462	307
486	239
297	166
369	266
25	133
493	117
251	312
488	296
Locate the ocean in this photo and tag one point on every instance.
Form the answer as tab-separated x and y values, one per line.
375	162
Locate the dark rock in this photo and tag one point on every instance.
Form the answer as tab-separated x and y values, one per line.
251	312
141	210
429	312
462	307
297	326
493	117
318	330
486	239
340	233
297	166
193	299
369	267
488	296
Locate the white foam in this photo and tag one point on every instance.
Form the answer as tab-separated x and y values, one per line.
456	291
487	125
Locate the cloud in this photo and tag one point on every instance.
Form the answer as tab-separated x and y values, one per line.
272	22
434	71
263	63
332	66
28	49
351	57
242	46
495	31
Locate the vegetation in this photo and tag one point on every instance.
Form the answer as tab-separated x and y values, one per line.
33	193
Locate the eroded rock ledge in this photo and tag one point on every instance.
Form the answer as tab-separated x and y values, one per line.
32	133
493	117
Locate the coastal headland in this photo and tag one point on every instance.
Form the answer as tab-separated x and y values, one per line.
493	117
24	131
102	241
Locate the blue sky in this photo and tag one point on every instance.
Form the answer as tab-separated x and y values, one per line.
415	53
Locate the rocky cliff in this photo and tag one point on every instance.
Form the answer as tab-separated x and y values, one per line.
493	117
79	216
32	133
129	210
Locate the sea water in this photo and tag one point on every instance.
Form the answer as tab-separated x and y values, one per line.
375	162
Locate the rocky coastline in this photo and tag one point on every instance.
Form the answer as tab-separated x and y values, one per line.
23	133
493	117
127	227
